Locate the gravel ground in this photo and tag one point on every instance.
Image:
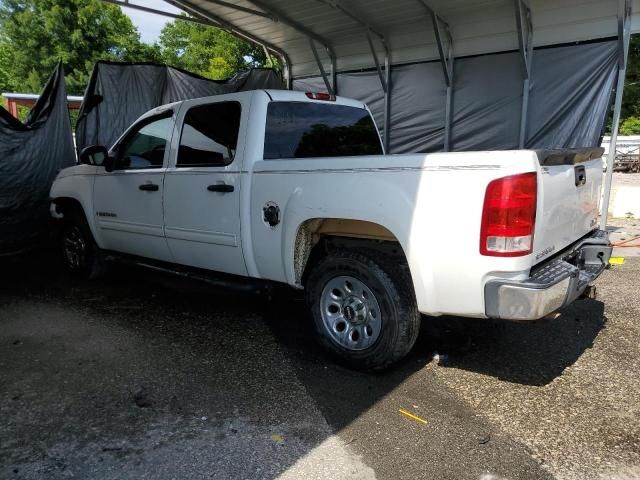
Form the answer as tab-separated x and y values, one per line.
625	230
144	376
119	380
627	179
577	409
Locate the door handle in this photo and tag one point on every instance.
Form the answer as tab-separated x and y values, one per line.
149	187
221	188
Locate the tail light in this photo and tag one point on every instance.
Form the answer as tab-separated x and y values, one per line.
509	216
320	96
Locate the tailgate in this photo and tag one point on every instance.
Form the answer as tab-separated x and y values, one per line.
568	192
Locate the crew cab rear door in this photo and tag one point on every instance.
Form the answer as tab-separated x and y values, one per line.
569	194
202	187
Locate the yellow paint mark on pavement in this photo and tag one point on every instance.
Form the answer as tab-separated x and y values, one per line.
616	260
411	415
277	438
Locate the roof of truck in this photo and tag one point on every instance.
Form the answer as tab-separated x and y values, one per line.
273	95
297	96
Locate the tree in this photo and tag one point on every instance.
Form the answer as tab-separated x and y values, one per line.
5	62
629	126
631	99
630	111
208	51
36	34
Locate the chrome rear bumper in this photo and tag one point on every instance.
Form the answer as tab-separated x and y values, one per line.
551	285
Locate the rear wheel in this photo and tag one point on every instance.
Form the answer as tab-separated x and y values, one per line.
364	308
80	253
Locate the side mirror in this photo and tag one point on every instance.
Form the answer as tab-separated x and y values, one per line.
94	155
108	163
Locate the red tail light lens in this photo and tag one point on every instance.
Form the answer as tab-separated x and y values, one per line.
320	96
509	216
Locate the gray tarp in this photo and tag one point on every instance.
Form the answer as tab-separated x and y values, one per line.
570	96
118	93
31	154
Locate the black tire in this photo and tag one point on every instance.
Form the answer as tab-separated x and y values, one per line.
392	288
80	253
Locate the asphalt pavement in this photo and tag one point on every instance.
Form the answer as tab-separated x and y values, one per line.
140	375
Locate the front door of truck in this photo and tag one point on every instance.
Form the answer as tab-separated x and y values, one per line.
202	189
128	200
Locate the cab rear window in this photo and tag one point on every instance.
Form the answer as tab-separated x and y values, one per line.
307	130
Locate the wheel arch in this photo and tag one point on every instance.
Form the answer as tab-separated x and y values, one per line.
316	236
64	204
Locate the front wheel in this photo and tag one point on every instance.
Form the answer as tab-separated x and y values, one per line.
364	308
80	254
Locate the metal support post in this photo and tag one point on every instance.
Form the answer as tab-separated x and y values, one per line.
445	51
213	20
267	55
448	114
386	139
279	17
444	40
240	8
376	61
334	72
268	12
385	79
323	73
525	42
624	35
385	82
126	4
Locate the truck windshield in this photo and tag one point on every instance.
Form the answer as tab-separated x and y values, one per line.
305	130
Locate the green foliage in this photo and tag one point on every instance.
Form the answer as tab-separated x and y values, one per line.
23	112
36	34
5	62
631	99
630	112
207	51
630	126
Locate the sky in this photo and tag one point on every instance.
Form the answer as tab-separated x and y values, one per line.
149	25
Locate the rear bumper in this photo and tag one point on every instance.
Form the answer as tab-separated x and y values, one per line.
551	285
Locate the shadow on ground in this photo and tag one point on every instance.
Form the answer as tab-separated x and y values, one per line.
531	353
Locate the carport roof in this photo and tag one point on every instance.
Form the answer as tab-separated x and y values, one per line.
476	26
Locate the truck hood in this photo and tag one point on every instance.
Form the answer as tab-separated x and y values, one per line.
77	170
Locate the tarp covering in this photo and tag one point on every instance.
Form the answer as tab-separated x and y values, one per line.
569	99
31	154
118	93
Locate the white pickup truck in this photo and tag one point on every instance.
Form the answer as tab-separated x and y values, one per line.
293	187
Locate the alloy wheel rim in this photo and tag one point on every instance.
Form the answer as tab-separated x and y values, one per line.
75	248
350	313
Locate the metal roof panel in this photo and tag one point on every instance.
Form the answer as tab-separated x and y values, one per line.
477	26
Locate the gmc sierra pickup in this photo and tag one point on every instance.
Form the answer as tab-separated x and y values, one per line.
294	187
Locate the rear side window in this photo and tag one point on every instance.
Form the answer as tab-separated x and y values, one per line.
209	135
305	129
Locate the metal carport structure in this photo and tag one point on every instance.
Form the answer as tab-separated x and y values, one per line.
321	38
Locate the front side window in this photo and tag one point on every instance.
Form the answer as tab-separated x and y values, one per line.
210	135
306	129
145	147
